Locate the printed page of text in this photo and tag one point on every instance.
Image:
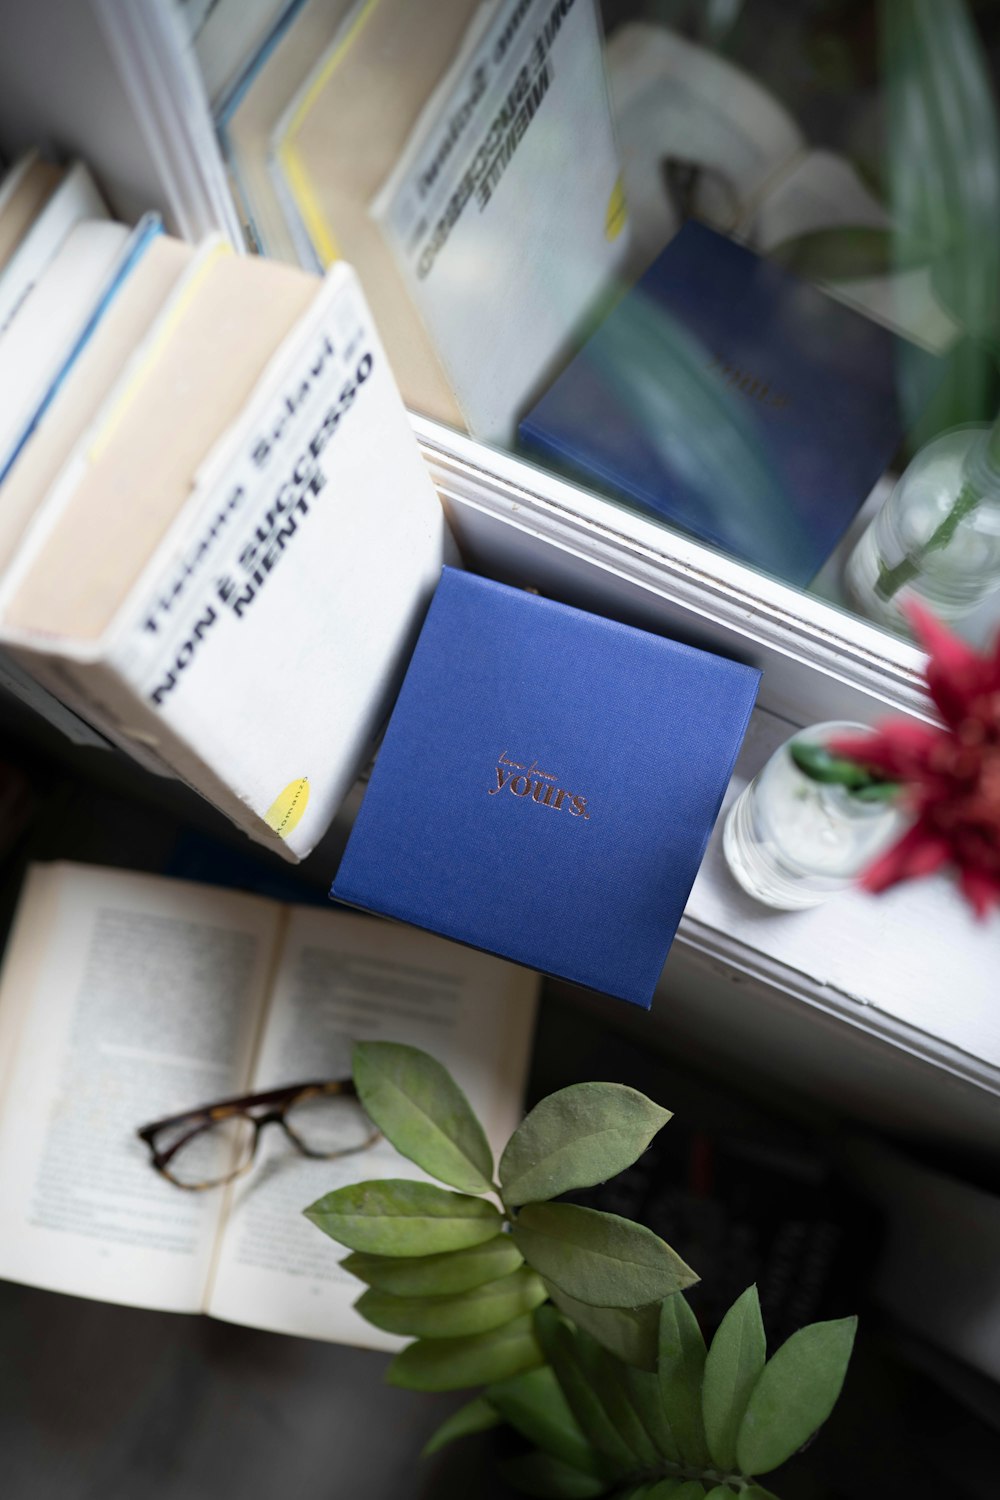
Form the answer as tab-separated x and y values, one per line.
344	978
145	999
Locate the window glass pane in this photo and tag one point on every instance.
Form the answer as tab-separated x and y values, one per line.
733	263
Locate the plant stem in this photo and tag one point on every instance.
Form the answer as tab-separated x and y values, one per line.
708	1477
891	580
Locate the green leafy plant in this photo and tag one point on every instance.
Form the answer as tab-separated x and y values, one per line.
573	1320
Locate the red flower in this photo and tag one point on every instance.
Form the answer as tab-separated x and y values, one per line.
951	776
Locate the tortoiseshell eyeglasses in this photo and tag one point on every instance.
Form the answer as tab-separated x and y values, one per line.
206	1147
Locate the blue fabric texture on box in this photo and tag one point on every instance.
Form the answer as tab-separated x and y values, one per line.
547	785
729	398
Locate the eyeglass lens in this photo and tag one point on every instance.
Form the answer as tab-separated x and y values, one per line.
323	1125
328	1124
212	1154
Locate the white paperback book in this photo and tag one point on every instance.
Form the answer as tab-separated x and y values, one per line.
51	323
37	352
260	648
75	198
505	212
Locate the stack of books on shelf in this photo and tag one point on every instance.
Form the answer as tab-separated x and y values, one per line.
435	147
217	536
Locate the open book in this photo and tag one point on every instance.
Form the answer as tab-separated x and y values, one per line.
126	997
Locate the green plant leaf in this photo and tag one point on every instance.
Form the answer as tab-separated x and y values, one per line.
534	1405
681	1370
795	1394
679	1489
442	1275
397	1217
420	1108
647	1402
541	1474
576	1137
732	1369
597	1257
721	1492
559	1344
485	1307
607	1378
476	1415
479	1359
630	1332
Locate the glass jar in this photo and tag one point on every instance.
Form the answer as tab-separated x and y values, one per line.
937	537
791	842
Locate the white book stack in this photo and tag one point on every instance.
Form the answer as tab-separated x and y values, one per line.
217	536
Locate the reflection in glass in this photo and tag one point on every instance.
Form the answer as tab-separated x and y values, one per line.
503	172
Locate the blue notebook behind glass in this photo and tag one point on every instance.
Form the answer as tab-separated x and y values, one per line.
547	785
733	400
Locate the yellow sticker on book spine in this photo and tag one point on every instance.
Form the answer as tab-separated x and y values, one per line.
287	808
614	218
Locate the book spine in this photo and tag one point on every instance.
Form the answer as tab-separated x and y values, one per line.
76	198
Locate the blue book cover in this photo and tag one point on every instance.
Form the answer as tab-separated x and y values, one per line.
547	785
733	400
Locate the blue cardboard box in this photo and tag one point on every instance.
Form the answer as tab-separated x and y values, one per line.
547	785
726	396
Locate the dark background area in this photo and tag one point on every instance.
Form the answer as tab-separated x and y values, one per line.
124	1404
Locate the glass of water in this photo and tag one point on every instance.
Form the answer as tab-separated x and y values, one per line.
791	842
